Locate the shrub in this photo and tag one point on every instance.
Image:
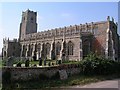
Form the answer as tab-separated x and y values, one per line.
56	76
4	61
43	77
6	76
94	64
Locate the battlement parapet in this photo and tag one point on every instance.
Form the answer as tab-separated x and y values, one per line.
67	30
5	40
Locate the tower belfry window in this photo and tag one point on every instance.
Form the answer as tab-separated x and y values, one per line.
31	19
24	18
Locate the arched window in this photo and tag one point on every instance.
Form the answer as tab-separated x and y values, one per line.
86	47
38	47
5	53
58	48
31	19
24	51
70	48
31	49
35	47
23	19
29	52
43	50
47	48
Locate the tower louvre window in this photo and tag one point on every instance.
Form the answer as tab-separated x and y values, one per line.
31	19
24	18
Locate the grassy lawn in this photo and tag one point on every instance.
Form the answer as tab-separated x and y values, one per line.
32	63
0	61
53	61
51	83
47	61
71	62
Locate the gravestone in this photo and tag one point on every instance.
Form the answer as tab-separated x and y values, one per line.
49	63
63	74
40	61
27	63
44	62
34	57
59	62
18	64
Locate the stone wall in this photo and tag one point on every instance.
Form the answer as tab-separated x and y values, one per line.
11	48
24	74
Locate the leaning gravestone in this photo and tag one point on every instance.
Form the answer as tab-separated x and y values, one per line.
63	74
27	63
40	61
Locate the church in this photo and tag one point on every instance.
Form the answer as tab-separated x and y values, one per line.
72	42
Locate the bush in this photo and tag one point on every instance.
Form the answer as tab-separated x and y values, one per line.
93	64
6	76
56	76
43	77
4	61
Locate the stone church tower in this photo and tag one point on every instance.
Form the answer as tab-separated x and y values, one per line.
28	23
72	42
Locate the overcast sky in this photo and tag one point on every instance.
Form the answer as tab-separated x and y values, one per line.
53	15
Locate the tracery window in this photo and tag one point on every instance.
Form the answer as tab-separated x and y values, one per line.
58	48
24	19
38	47
70	48
31	49
24	50
31	19
47	48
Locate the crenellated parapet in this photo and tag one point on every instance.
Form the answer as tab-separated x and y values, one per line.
73	42
5	40
67	31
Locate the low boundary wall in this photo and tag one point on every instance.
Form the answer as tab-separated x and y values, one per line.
28	73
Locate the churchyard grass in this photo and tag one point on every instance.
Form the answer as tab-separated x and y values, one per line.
70	62
53	61
34	62
85	77
37	62
0	61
